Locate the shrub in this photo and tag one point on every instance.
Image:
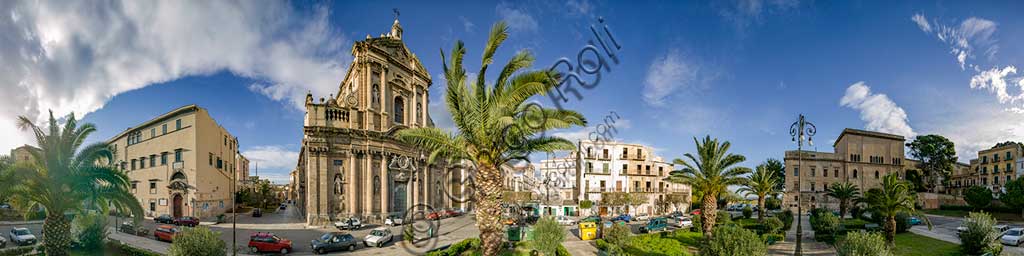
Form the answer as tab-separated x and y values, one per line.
654	244
787	219
723	218
979	237
773	203
978	197
548	235
775	238
128	250
697	227
862	244
457	248
617	236
747	212
92	230
853	224
21	250
826	227
902	222
855	212
733	241
197	241
773	225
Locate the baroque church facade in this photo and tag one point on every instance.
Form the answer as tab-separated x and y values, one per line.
351	163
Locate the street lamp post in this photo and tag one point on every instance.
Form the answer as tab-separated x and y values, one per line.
800	130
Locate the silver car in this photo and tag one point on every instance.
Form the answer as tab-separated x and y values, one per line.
22	236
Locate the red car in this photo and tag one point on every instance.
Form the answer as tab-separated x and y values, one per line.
434	216
695	212
450	213
268	242
187	221
165	233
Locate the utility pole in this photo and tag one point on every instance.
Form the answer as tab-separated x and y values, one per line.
234	210
800	130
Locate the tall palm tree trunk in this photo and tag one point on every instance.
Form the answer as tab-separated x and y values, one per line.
709	210
842	209
55	234
890	230
760	209
488	209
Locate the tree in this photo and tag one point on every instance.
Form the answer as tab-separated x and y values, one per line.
979	236
586	205
978	197
894	196
1014	196
764	183
775	166
495	125
733	240
914	177
64	178
615	199
618	235
548	235
91	230
198	240
935	157
862	243
635	200
676	200
845	192
711	171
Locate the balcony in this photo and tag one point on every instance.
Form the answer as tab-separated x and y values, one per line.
639	157
178	166
624	157
588	156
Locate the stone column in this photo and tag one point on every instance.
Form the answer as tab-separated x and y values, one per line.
350	176
385	190
423	112
367	192
383	117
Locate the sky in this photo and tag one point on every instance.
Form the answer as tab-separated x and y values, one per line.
740	71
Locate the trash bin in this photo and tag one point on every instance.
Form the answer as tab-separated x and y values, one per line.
604	226
527	233
514	233
588	231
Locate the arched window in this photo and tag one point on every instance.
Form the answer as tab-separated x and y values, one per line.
855	173
876	174
375	95
399	110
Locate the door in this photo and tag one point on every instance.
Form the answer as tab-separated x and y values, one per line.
602	211
177	206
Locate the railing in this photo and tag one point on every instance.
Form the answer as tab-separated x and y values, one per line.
178	166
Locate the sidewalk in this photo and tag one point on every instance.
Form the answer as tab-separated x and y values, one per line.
810	247
21	222
147	243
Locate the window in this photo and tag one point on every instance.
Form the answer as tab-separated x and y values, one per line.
602	185
399	110
225	140
177	155
647	169
152	132
123	165
824	186
824	173
796	171
133	164
984	159
177	124
152	187
625	151
638	169
995	180
220	164
142	163
590	167
210	159
1008	155
152	206
995	157
813	187
835	173
995	168
876	174
606	168
1009	167
855	173
812	171
625	168
163	129
660	168
639	153
604	153
163	158
152	160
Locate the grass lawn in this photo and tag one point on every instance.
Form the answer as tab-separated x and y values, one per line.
910	244
960	213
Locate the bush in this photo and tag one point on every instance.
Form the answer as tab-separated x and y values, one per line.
457	248
197	241
617	236
548	235
733	241
654	244
747	212
826	227
697	227
91	231
856	211
128	250
773	203
978	197
979	237
773	238
15	251
862	244
723	218
853	224
773	225
787	219
902	222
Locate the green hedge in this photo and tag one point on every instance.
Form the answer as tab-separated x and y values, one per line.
457	248
126	249
15	251
654	244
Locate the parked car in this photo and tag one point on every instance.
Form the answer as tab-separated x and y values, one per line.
268	242
165	233
283	207
450	213
623	217
187	221
643	217
1013	237
130	228
683	222
378	237
434	216
592	218
257	212
655	224
22	236
913	221
3	242
1001	229
695	212
164	218
676	214
565	220
333	241
349	223
394	220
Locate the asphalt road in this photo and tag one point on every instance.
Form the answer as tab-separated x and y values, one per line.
5	231
944	228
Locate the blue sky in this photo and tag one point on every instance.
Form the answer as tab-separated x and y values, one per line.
738	70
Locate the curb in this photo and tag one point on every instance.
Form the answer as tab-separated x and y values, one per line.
21	222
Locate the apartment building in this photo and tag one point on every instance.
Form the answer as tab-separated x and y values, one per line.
624	167
560	172
241	169
860	157
991	169
180	163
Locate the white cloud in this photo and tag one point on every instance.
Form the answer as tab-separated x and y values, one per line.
75	56
877	111
579	7
922	22
667	74
996	80
517	20
466	24
744	13
964	39
272	157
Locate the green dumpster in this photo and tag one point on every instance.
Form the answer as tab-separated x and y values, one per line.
514	233
527	233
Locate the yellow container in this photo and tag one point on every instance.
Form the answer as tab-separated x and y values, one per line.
588	231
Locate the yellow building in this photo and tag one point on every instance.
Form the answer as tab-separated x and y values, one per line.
861	157
241	169
180	163
21	154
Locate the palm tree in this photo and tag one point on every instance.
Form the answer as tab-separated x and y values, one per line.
495	126
846	192
763	183
893	197
710	172
64	179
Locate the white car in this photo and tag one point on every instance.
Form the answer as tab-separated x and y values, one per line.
22	236
563	220
1001	229
349	223
683	222
643	217
394	220
1013	236
378	237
